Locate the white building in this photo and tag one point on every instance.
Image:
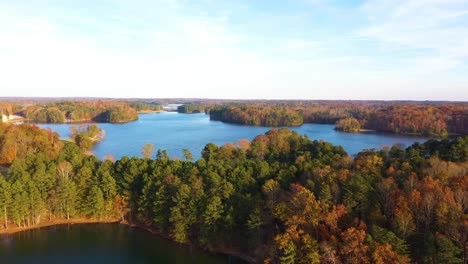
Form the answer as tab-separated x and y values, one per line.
4	118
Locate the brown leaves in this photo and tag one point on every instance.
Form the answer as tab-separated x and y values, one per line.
353	248
383	254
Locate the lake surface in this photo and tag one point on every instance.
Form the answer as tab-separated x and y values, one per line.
97	243
174	132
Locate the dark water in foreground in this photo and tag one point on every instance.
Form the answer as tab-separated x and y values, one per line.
174	132
97	243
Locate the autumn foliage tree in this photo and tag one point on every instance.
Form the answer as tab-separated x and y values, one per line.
281	198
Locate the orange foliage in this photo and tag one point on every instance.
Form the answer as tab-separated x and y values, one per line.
353	247
383	254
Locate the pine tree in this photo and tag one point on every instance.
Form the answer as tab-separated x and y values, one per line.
446	251
95	202
188	155
19	208
36	204
180	217
67	197
5	199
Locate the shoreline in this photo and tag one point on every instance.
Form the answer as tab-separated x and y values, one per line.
70	122
150	111
10	231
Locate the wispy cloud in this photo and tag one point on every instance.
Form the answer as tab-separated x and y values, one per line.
436	29
236	49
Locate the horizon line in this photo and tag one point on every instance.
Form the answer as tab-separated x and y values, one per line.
222	99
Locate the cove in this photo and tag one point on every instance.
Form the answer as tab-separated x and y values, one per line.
174	132
98	243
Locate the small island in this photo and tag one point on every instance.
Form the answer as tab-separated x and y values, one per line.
349	124
86	137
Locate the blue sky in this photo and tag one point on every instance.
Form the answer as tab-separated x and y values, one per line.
276	49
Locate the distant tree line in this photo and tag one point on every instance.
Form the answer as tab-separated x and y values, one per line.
81	111
145	107
191	108
414	118
257	116
281	198
394	117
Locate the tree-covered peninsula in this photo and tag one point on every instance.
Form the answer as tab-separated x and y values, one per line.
81	111
257	116
438	119
281	198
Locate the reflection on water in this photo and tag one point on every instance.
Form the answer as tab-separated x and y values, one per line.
97	243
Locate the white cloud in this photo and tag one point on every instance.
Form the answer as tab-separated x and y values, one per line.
172	48
434	28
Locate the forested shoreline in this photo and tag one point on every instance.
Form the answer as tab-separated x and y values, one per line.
77	111
439	119
281	198
392	117
257	116
68	111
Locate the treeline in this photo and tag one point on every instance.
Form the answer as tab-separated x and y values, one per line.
419	119
281	198
437	119
146	107
415	118
81	111
191	108
256	116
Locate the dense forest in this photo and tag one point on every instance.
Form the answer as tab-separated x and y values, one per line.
428	119
257	116
6	109
146	107
81	111
191	109
281	198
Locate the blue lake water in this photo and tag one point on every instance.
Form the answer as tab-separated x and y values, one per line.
174	132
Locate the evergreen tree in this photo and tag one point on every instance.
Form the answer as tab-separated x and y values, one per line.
187	155
19	208
95	203
66	197
5	199
36	204
383	236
